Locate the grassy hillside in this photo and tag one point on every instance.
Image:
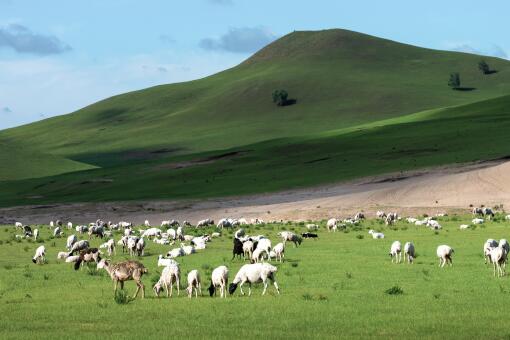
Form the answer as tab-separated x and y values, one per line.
365	106
443	136
322	283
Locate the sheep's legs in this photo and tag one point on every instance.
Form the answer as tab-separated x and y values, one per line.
265	287
276	286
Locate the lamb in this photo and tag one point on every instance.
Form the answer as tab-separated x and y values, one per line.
124	271
188	250
487	248
140	247
110	247
73	258
39	256
409	252
170	275
62	255
290	236
224	223
36	234
78	246
205	223
151	232
248	249
464	226
375	235
146	223
162	262
396	252
219	278
444	253
171	234
332	224
279	251
254	273
18	225
194	283
69	225
391	218
239	233
57	232
176	252
359	216
380	214
477	221
71	240
498	259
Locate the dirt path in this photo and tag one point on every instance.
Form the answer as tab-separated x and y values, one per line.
430	191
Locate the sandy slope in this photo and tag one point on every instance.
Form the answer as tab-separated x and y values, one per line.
441	189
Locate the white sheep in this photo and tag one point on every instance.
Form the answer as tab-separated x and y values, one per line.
18	225
254	273
215	234
162	262
80	245
151	232
464	226
312	227
176	252
444	253
248	249
396	252
498	259
146	223
188	250
110	246
72	239
291	237
279	251
411	220
487	248
69	225
433	224
62	255
170	275
409	252
375	235
57	232
380	214
194	283
219	278
477	221
140	247
171	233
72	258
40	254
332	224
36	234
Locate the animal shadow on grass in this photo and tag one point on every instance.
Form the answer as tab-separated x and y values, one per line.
465	89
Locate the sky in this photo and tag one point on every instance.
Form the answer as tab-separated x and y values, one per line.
57	56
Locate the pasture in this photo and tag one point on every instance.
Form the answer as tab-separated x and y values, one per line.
339	285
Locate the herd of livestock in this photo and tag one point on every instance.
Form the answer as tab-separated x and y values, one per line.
258	249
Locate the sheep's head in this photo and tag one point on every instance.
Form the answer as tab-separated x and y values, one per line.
102	263
157	288
232	288
211	289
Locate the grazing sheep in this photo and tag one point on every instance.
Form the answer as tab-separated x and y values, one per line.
125	271
239	233
151	232
18	225
110	247
171	233
290	236
433	224
332	224
81	229
188	250
215	235
205	223
73	258
27	231
78	246
488	213
380	214
411	220
312	227
69	225
176	252
219	278
88	255
477	211
169	276
359	216
375	235
224	223
391	218
477	221
409	252
97	230
237	249
498	259
40	254
62	255
36	234
194	283
258	255
279	251
309	235
140	247
57	232
248	249
131	245
243	221
162	262
396	252
254	273
464	226
487	248
123	224
71	240
146	223
264	244
444	253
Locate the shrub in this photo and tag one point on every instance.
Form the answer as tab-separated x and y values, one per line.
360	237
294	264
454	81
307	297
395	290
484	67
121	297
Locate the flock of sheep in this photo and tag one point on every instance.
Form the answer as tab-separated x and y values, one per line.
256	248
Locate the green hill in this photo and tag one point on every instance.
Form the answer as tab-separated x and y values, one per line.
357	98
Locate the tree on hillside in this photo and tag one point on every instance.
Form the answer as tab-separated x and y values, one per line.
484	67
280	97
454	81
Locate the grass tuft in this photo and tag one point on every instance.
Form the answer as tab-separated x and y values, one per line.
395	290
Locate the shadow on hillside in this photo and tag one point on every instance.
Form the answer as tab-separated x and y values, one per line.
491	72
465	88
289	102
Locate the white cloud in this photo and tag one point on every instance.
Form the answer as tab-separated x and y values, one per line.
240	40
22	40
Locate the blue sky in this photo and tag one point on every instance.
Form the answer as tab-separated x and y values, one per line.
57	56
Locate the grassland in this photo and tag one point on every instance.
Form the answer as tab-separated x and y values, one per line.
332	287
365	106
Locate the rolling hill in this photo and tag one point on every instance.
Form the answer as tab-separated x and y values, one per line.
365	106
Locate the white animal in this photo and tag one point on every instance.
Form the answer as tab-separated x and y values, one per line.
498	259
248	249
72	258
487	248
194	283
464	226
18	225
380	214
169	276
80	245
188	250
409	252
57	231
162	262
62	255
40	254
140	247
396	252
312	227
146	223
279	251
291	237
332	224
375	235
444	253
239	233
81	229
110	247
215	234
180	232
176	252
477	221
391	218
72	239
433	224
52	224
151	232
205	223
411	220
69	225
36	234
254	273
171	233
219	279
264	245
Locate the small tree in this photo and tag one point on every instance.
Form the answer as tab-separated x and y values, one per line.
484	67
280	97
454	81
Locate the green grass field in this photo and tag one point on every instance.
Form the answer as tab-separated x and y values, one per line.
331	287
